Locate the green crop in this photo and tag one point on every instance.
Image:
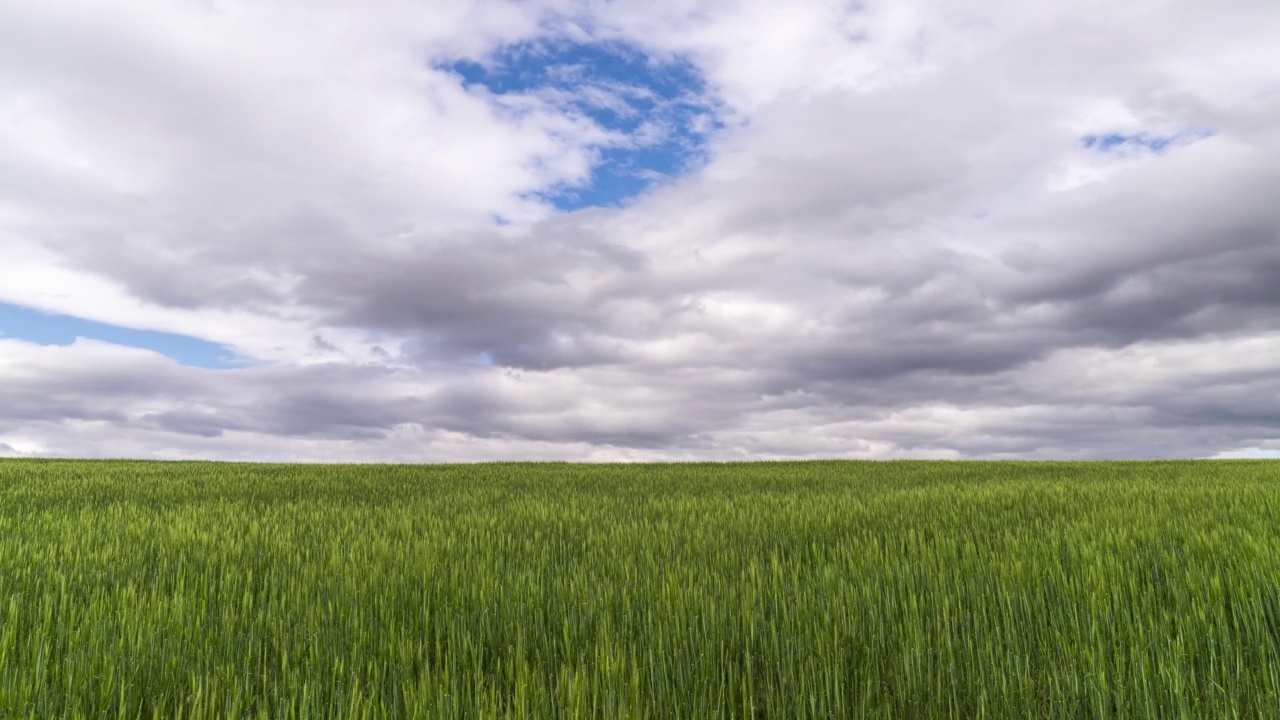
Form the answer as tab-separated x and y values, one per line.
760	590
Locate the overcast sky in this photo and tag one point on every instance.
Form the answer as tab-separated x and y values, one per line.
452	230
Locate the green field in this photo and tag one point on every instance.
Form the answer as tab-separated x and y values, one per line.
764	590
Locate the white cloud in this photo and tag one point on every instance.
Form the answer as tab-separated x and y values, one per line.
898	246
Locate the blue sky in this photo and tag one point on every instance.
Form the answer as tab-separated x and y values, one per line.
50	329
1108	142
623	90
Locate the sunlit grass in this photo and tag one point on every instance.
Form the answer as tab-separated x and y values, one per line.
766	590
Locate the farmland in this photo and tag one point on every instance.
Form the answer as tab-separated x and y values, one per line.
763	590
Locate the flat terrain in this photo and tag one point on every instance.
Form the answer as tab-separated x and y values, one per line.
764	590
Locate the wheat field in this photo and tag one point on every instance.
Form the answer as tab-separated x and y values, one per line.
833	589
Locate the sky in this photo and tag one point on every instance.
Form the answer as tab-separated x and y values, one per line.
635	230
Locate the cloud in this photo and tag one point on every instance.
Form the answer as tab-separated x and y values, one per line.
901	242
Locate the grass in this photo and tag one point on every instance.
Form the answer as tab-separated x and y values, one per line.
762	590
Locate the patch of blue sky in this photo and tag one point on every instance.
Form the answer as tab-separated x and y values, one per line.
658	109
1117	141
21	323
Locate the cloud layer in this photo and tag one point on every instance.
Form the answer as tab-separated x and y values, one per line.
902	240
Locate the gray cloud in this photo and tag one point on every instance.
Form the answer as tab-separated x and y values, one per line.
918	257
